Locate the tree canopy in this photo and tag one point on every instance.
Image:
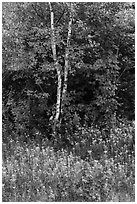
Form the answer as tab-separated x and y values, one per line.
99	55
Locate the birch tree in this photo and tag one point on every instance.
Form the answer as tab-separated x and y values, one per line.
61	92
57	67
66	68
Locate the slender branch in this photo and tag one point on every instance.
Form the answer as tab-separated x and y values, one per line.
121	74
41	88
60	17
117	58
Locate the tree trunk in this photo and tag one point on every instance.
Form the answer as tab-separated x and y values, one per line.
115	82
57	67
61	94
66	67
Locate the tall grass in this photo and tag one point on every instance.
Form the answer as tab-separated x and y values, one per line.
39	173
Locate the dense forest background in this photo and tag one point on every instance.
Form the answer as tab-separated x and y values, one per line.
69	84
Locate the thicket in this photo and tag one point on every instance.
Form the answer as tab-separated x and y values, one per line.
91	155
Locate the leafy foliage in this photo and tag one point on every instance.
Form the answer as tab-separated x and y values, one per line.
101	59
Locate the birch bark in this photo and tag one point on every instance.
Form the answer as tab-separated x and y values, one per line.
61	93
67	50
57	67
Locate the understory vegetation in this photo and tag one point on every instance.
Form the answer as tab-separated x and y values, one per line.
94	170
68	101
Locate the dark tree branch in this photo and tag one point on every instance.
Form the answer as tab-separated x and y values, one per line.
60	17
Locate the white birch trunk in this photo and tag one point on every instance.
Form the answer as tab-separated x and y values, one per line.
66	67
57	66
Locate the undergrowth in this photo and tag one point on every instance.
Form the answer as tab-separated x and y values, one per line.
94	170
